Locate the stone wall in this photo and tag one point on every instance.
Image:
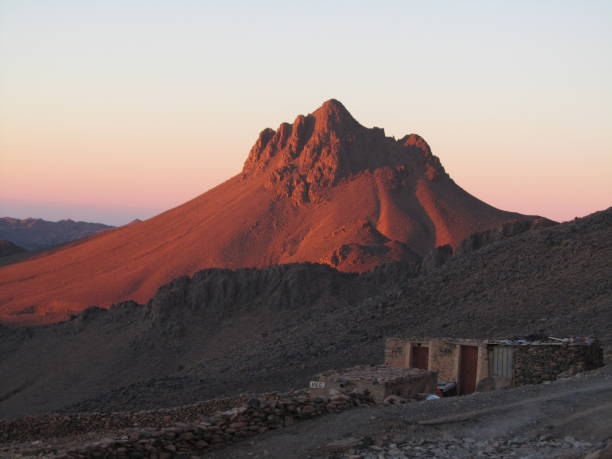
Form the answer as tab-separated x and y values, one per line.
534	364
444	358
56	425
397	353
379	381
258	415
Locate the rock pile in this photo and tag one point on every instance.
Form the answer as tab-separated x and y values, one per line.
258	415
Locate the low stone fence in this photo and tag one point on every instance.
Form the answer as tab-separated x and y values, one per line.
538	363
56	425
258	415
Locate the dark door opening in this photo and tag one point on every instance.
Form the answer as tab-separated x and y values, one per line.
468	367
420	357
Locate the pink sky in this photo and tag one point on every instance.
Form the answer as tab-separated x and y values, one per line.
120	110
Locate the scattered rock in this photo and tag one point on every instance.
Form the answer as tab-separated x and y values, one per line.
394	400
341	446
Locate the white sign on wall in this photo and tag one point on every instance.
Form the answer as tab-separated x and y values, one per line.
317	385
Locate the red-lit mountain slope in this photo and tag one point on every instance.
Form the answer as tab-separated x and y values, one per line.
323	189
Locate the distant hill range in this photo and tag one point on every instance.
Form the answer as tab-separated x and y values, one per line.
36	234
324	189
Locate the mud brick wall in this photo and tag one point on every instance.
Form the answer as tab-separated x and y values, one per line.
397	353
444	358
536	364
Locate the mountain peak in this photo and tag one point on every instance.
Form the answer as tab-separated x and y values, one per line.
333	104
332	115
318	150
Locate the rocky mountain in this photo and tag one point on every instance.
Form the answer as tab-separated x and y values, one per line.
36	233
222	332
324	189
7	248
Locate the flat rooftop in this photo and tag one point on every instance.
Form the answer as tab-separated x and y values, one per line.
514	341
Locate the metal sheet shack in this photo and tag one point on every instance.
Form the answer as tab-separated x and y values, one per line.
470	364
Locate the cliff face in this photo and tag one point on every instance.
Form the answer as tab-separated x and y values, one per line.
324	189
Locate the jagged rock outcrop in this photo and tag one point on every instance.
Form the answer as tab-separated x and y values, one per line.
302	159
436	257
509	229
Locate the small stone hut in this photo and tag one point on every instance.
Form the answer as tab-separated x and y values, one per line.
380	381
492	364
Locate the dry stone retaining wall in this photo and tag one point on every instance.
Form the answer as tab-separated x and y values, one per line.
57	425
536	364
194	439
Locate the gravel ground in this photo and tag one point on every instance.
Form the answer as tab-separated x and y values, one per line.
567	418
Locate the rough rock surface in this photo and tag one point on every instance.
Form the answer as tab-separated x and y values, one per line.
480	239
436	257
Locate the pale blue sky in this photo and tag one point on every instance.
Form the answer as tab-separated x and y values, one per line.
120	109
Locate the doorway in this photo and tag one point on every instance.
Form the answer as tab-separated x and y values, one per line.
468	367
420	357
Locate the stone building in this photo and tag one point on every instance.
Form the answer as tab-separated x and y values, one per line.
470	364
379	381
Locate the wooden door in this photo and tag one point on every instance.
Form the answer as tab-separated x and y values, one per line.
468	367
420	357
